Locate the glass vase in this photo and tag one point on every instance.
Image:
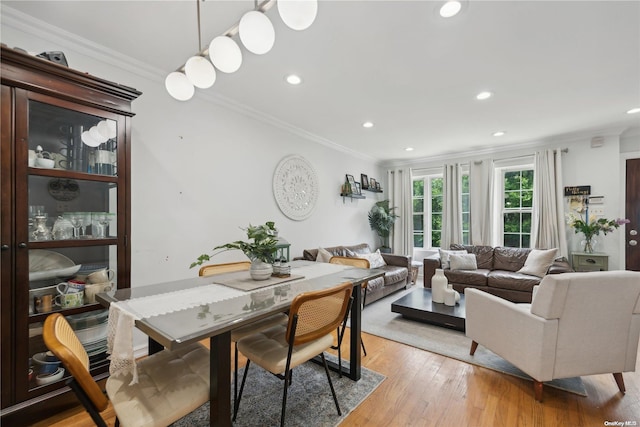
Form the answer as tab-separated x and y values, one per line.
588	245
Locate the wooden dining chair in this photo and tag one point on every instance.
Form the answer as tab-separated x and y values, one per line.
171	384
354	262
313	317
239	333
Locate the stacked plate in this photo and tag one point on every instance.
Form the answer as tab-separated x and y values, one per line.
91	329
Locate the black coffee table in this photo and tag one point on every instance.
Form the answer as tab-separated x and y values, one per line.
417	305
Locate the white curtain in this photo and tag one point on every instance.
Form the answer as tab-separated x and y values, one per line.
481	201
452	206
400	197
548	228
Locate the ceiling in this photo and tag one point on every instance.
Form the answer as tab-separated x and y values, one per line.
555	67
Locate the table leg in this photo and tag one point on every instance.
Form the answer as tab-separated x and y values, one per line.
220	380
355	356
154	346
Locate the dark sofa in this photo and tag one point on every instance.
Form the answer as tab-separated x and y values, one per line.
396	274
497	272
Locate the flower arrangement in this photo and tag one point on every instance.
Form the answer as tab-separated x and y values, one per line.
593	228
262	248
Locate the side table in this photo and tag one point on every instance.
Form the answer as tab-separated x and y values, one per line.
582	261
415	268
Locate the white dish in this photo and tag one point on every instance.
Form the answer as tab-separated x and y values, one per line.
49	265
44	379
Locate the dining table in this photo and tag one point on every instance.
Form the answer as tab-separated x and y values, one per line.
181	312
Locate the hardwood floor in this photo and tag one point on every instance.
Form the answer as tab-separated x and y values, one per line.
426	389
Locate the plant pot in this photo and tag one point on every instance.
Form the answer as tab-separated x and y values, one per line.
260	270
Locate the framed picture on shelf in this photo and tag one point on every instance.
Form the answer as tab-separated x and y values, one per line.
372	184
378	186
365	181
351	183
356	189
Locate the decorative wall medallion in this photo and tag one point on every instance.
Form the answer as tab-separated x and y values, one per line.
295	187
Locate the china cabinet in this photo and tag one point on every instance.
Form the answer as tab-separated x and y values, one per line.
65	158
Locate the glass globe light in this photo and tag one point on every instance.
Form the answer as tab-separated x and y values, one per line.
200	72
179	86
298	14
256	32
225	54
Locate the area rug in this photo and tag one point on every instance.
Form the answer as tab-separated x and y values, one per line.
379	320
309	400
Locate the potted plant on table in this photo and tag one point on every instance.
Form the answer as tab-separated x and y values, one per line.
261	250
593	228
381	219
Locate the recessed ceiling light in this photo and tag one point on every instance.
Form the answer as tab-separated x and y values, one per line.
367	125
408	149
293	79
450	9
499	133
484	95
634	110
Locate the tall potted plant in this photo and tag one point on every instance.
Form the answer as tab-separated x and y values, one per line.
381	220
261	251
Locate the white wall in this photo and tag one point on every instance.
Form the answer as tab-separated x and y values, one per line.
201	170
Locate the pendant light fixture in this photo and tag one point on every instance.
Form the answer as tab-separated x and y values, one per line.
298	14
257	34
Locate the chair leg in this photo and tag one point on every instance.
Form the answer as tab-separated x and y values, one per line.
333	392
287	382
474	347
236	406
86	402
235	381
364	350
364	301
537	390
620	382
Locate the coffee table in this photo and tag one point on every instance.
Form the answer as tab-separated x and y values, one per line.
417	305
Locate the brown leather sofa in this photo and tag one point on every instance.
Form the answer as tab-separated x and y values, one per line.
497	272
396	274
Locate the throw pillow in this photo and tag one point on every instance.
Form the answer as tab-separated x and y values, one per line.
538	262
375	259
463	262
444	256
323	255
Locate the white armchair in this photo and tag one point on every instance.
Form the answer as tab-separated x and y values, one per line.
577	324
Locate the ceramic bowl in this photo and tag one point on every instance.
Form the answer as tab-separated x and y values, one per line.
48	364
45	163
43	379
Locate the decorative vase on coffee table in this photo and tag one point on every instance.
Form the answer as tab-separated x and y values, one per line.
451	296
438	286
260	270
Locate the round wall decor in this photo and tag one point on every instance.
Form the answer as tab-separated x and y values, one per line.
295	187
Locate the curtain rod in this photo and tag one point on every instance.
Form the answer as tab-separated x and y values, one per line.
478	162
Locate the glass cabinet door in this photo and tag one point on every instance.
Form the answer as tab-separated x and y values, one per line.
69	221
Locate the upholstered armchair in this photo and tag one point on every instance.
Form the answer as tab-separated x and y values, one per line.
577	324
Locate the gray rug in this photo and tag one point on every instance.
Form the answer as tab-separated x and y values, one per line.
379	320
309	400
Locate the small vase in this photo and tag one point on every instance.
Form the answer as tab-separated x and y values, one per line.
450	297
588	245
438	286
260	270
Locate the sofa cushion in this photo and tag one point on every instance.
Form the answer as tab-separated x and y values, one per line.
538	262
323	255
509	259
375	284
362	248
484	254
512	281
468	277
444	256
375	259
463	262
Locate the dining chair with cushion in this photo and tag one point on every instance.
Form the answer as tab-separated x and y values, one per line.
239	333
577	324
354	262
313	317
171	384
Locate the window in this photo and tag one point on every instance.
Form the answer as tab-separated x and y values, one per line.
517	196
427	210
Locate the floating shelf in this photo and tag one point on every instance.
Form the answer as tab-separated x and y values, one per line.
352	196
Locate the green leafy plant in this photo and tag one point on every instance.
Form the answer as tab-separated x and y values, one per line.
593	228
381	220
262	247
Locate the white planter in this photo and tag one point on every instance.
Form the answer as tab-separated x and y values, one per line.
438	286
260	270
